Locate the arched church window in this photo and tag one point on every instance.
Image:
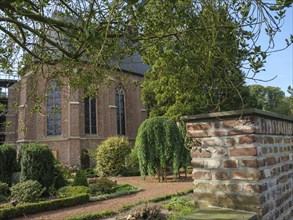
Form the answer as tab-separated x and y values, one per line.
90	116
53	109
120	104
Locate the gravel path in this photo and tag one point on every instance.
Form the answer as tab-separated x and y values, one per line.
151	189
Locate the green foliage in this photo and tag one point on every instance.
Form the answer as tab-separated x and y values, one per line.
27	191
180	207
59	176
124	187
113	195
97	36
4	192
105	186
31	208
111	156
269	99
90	173
131	164
159	144
4	189
192	75
7	162
265	98
37	163
80	179
69	191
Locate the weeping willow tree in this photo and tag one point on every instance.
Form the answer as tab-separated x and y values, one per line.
159	145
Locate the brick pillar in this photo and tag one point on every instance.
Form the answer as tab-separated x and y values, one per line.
74	129
243	160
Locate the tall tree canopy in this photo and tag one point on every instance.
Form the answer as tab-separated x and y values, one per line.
40	32
269	98
198	70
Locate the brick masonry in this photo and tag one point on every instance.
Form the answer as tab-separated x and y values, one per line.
244	161
27	125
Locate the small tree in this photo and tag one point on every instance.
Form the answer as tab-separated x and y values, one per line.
80	179
159	144
111	156
37	163
7	162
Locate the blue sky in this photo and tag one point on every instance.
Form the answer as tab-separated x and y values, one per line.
279	64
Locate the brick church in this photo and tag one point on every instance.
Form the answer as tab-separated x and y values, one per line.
69	124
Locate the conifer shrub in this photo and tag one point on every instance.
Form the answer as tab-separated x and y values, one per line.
8	162
27	191
159	144
80	179
111	156
37	163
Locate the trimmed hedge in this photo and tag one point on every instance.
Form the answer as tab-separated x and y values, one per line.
31	208
8	162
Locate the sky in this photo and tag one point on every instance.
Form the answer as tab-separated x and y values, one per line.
279	64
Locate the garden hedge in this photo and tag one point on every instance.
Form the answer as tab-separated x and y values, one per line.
7	162
32	208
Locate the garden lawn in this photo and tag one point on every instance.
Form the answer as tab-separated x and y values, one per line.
151	189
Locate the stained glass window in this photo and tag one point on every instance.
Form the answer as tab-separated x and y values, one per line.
119	93
53	109
90	115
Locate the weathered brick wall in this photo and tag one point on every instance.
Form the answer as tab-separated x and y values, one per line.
243	160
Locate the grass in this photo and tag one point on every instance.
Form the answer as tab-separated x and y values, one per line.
106	213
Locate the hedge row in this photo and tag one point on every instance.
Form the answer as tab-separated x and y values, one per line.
31	208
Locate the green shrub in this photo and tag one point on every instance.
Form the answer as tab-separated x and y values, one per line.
8	162
59	180
80	179
90	172
69	191
4	189
111	156
4	192
131	164
179	207
37	163
59	176
31	208
159	144
105	186
28	191
124	188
